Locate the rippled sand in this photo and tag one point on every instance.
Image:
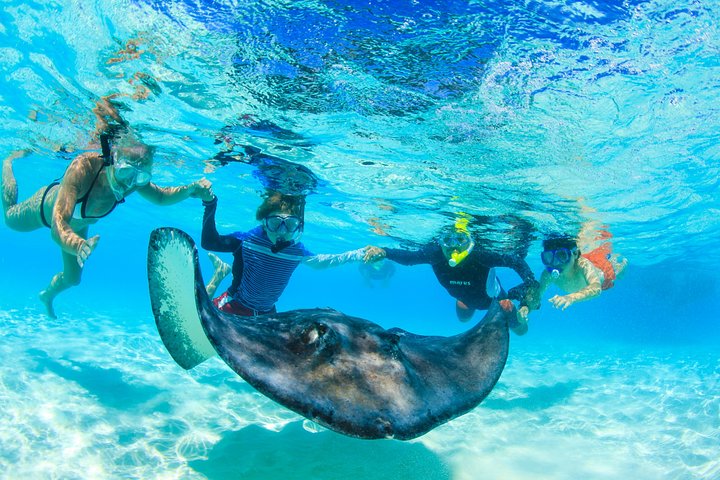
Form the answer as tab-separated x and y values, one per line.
96	398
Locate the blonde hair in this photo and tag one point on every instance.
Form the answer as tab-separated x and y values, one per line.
129	145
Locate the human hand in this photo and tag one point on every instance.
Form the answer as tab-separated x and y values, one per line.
561	302
85	248
373	254
522	314
106	107
202	189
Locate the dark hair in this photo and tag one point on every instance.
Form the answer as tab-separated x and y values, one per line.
554	243
276	201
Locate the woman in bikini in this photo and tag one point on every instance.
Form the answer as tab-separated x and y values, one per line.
92	186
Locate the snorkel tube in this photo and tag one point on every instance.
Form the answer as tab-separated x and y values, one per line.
458	256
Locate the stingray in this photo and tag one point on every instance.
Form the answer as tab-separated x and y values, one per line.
345	373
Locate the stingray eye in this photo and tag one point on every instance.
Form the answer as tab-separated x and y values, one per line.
384	427
314	332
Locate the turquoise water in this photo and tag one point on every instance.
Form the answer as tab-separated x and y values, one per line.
550	114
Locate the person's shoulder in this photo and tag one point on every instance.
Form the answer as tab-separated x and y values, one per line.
256	232
87	158
83	166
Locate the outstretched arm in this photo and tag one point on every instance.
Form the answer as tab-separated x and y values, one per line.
526	292
536	296
210	238
334	259
402	256
170	195
593	288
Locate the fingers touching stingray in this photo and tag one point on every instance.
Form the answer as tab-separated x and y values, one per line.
346	373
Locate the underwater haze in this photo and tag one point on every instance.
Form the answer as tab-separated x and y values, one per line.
534	118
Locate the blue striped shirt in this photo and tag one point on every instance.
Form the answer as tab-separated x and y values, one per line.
259	275
265	274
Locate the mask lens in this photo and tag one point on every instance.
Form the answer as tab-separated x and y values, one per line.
291	223
130	174
455	241
142	177
125	174
547	257
562	256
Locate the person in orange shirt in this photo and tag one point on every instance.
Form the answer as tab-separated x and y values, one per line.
582	275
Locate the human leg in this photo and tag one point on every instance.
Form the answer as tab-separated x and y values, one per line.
221	271
464	313
69	277
518	323
24	216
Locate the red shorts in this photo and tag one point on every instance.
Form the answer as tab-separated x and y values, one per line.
227	304
600	258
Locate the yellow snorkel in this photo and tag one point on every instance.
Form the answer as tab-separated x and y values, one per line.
457	256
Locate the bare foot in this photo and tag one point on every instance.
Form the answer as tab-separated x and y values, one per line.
619	264
222	269
47	300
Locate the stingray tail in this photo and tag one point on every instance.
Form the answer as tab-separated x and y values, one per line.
177	295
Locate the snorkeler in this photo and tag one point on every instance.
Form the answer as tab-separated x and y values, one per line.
264	257
467	272
90	189
583	275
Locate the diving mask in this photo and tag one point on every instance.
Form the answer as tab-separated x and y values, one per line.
556	260
130	174
289	223
557	257
458	245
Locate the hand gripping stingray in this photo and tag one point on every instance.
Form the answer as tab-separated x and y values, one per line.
345	373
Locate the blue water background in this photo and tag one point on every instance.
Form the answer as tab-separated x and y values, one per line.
560	113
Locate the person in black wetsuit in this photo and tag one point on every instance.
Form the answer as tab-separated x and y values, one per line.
93	185
468	274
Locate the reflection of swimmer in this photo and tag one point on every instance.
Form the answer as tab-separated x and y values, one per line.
377	272
583	275
274	173
92	186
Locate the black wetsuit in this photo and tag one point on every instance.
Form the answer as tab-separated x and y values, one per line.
467	281
213	241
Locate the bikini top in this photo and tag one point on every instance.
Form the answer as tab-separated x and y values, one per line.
82	202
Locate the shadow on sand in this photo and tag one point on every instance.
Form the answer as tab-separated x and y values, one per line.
537	398
256	453
107	385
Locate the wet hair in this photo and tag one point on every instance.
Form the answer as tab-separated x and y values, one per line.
128	143
279	202
565	241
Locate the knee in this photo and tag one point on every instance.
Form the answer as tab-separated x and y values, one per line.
72	279
464	313
520	329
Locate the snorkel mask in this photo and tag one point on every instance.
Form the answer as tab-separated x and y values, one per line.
457	244
130	174
283	230
125	174
557	260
